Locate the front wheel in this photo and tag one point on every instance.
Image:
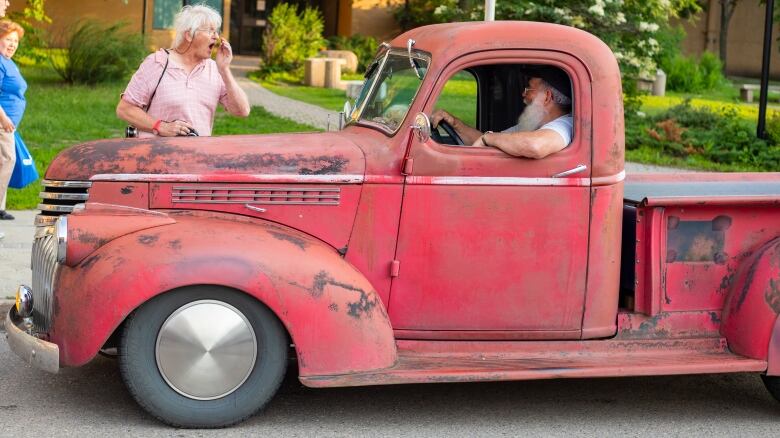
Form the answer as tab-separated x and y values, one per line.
772	384
203	356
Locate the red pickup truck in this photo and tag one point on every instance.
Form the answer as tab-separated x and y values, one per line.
386	253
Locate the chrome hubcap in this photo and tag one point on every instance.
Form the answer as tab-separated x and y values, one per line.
206	349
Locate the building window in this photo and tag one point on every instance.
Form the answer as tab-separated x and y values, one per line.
166	10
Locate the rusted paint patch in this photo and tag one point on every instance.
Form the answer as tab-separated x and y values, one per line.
727	281
297	241
714	317
148	239
362	307
772	295
333	307
88	238
127	190
175	244
90	261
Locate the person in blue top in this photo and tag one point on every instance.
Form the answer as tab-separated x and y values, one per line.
12	105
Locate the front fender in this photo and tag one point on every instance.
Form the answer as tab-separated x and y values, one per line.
753	303
334	316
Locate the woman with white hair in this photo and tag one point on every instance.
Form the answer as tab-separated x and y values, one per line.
176	92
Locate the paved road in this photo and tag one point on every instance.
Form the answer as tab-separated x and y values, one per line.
92	401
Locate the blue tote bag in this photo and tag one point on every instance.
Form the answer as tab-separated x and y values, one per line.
24	169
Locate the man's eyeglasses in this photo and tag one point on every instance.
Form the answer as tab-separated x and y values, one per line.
527	89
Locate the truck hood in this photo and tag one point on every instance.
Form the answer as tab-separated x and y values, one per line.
328	153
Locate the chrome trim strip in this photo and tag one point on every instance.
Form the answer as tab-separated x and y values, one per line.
253	208
230	178
243	196
61	230
610	179
64	196
261	189
55	208
66	184
239	201
497	181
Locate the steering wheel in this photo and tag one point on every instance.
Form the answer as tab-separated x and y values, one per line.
449	130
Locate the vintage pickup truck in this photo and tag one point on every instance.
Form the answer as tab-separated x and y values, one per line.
385	253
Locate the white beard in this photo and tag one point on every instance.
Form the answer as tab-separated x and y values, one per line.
533	114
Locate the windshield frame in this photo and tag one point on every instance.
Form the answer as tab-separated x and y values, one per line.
382	58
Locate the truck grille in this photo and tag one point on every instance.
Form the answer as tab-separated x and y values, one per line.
44	269
58	198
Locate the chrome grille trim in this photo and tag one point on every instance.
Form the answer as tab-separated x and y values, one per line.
64	196
60	197
67	184
256	195
56	208
44	269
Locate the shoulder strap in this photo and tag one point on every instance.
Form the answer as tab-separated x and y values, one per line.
159	80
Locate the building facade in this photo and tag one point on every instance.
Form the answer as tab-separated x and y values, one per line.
243	20
745	38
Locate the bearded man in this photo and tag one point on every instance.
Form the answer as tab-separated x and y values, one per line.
543	128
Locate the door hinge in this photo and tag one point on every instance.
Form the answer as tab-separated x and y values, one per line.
408	166
395	267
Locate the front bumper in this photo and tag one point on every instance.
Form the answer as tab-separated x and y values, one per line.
37	352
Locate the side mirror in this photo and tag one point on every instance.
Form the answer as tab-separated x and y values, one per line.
422	127
347	111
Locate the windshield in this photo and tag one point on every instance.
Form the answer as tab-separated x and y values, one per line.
389	90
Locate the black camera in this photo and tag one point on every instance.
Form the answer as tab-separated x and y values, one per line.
192	133
131	131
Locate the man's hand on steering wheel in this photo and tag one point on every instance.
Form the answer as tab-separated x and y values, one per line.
446	121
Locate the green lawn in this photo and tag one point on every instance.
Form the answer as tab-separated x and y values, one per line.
60	115
459	97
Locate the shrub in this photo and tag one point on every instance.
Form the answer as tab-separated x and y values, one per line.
361	45
718	136
688	75
99	53
30	18
291	37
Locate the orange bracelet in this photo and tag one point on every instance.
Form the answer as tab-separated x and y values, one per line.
156	127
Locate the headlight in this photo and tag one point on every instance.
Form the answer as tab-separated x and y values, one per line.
24	301
61	234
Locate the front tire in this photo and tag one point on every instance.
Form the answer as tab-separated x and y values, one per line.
203	357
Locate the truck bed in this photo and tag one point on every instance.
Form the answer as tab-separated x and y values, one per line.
641	187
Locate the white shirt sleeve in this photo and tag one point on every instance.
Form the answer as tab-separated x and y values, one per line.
563	125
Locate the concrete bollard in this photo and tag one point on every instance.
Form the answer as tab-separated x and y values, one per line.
333	72
351	60
314	72
659	85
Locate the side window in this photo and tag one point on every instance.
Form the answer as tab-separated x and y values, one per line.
459	97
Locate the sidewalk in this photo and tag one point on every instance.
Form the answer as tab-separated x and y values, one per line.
285	107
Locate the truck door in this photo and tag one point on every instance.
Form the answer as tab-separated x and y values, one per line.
492	246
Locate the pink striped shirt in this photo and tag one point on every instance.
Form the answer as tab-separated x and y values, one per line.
190	97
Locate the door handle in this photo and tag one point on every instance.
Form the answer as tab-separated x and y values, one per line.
577	169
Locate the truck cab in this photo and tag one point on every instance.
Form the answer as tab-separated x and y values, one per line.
389	253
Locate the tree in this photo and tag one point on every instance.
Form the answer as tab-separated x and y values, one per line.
31	18
726	11
629	27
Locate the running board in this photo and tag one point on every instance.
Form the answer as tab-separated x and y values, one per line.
445	361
